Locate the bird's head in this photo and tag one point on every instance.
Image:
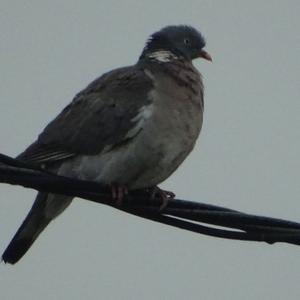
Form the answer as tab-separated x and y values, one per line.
175	42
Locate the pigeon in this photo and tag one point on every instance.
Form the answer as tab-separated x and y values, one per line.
129	129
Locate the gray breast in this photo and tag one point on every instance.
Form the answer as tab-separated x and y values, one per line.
171	132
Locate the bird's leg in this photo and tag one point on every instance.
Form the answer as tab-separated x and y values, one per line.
163	194
118	192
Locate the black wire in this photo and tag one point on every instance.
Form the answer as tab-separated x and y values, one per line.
182	214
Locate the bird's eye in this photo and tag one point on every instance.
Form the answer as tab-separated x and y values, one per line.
186	41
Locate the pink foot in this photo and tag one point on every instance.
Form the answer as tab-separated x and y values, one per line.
118	192
164	195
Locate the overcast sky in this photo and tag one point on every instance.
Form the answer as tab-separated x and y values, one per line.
247	157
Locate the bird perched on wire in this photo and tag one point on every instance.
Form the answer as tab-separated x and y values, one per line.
130	129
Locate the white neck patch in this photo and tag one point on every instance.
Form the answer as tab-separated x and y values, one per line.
162	56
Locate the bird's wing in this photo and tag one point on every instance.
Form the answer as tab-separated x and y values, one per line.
105	115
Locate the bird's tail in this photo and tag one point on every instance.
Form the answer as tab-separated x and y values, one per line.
45	208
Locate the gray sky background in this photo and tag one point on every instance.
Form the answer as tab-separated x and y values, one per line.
247	157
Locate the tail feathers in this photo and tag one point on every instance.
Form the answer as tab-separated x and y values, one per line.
32	226
46	207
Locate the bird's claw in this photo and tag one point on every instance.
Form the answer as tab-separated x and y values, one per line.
118	192
164	195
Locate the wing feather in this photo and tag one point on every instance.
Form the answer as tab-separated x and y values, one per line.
98	118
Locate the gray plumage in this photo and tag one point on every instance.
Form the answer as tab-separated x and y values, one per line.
133	126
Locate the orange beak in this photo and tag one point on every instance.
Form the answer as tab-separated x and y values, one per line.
205	55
